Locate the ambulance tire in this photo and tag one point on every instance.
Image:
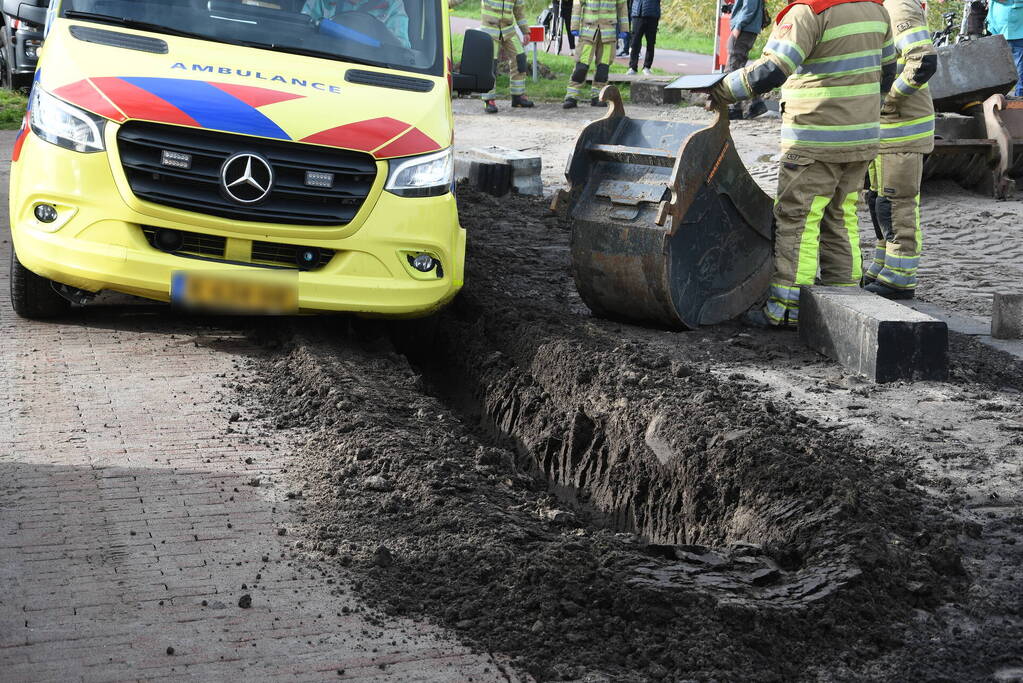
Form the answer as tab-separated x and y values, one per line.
7	77
33	296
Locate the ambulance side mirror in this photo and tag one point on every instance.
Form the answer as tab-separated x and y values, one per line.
30	11
476	72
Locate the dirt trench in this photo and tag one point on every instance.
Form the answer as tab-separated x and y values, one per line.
594	499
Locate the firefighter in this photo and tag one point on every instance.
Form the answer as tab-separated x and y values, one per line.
907	133
835	58
597	24
499	19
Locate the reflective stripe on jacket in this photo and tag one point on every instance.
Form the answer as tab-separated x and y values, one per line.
603	17
831	66
907	118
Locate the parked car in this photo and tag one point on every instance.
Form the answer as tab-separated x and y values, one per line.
21	36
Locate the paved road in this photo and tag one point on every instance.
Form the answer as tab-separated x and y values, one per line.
671	61
127	525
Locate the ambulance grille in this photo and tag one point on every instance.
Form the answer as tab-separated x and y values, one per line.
198	187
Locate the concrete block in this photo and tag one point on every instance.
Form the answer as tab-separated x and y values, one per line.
971	72
1007	316
525	168
880	339
493	179
653	92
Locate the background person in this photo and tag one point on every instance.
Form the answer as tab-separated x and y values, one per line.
748	19
646	14
1006	17
499	19
627	38
390	12
565	7
597	24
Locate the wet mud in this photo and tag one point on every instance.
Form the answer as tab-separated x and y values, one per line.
597	500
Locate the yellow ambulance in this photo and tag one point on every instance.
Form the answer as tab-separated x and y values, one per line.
270	156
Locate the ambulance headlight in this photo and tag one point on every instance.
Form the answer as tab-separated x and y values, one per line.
64	125
428	175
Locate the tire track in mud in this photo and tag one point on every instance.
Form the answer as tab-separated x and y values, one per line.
587	497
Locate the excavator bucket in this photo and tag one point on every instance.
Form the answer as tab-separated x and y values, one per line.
668	227
982	150
978	133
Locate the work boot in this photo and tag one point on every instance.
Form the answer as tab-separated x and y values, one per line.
887	292
569	103
521	101
756	109
630	72
755	317
734	113
595	102
491	107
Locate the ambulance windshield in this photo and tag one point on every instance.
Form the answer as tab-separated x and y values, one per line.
398	34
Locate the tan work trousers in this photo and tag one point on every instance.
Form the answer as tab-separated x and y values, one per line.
588	51
895	193
817	231
508	48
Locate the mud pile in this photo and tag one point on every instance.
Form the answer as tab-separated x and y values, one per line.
592	498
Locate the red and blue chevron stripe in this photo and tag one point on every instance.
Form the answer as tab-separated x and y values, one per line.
233	109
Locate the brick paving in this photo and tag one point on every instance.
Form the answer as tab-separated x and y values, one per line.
127	525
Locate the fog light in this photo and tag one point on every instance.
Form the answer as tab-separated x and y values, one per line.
424	263
308	257
45	213
169	240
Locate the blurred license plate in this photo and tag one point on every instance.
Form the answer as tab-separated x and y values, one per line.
263	292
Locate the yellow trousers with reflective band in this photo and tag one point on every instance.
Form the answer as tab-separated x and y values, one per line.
817	231
590	51
895	178
507	48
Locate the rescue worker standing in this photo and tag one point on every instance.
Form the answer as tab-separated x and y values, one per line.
835	58
499	19
907	134
597	24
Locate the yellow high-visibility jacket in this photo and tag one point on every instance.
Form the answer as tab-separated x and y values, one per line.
907	117
830	68
599	17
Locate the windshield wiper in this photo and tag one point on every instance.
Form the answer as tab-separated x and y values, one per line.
133	23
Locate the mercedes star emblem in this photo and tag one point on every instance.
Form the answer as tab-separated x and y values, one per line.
247	178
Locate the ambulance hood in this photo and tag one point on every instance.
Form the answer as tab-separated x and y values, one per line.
249	91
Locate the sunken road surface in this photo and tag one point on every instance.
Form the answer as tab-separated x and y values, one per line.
511	488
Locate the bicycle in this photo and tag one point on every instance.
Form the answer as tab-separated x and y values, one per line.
971	26
944	36
552	22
